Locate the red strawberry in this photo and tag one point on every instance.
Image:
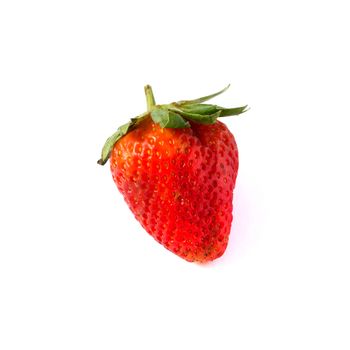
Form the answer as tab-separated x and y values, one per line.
176	166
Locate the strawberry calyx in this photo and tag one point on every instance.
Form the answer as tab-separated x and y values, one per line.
174	115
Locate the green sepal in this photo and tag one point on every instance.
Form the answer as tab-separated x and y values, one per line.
227	112
199	108
205	114
206	109
122	130
168	119
199	118
159	114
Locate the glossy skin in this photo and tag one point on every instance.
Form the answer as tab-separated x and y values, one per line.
179	185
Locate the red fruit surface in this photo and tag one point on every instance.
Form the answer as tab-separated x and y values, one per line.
179	185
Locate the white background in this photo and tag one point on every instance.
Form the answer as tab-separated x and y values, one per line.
77	271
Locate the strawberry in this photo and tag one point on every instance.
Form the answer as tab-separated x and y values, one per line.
176	167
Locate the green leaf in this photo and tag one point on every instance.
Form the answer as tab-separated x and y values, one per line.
199	108
122	130
226	112
159	114
168	119
176	121
202	99
200	118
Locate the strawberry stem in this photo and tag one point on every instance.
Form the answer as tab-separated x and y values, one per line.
149	98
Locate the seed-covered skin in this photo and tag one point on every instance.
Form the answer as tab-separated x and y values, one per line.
179	185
